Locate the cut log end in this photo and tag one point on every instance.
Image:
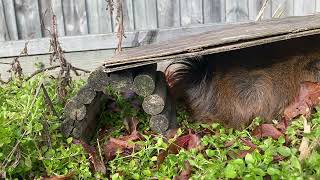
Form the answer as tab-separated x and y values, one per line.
153	104
145	80
159	123
143	85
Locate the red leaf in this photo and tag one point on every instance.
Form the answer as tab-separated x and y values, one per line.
308	97
186	173
120	144
267	130
187	142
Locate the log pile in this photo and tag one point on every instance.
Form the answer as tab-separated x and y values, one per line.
81	113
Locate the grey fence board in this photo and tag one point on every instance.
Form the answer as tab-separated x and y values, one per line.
28	19
213	11
75	17
191	12
10	15
48	8
303	7
145	14
237	11
99	20
4	34
168	13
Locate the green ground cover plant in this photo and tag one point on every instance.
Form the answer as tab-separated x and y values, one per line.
32	147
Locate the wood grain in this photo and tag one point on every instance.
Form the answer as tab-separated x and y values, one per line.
75	17
28	19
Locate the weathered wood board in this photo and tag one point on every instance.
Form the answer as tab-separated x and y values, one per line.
226	39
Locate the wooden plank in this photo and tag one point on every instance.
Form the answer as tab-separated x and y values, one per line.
214	11
10	16
99	19
4	34
28	19
78	59
226	39
48	8
191	12
302	7
237	11
75	17
168	13
145	14
255	7
101	41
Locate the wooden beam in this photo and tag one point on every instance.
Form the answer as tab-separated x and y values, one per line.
99	41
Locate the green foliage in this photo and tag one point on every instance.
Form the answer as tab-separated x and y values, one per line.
32	133
31	145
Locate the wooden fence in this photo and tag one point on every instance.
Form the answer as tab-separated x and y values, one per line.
87	29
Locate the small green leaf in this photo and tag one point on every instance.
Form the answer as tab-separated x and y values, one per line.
69	140
272	171
230	171
249	159
284	151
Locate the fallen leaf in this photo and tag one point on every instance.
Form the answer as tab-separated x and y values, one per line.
186	173
63	177
123	144
267	130
189	141
308	97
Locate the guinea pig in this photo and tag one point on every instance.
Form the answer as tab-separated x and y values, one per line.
235	87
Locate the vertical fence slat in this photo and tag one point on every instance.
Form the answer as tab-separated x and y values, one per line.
317	5
168	13
4	34
145	14
255	7
151	14
191	12
28	19
303	7
48	8
99	20
213	11
237	11
9	13
75	17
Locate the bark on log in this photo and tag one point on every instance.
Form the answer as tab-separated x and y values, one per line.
155	103
75	110
98	79
85	95
144	81
166	119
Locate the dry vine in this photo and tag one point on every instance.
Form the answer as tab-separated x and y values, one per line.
117	6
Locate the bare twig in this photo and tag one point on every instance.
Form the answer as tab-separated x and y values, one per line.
261	12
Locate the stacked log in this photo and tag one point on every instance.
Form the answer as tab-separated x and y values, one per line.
82	111
160	105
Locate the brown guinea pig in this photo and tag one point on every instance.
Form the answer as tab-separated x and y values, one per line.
233	88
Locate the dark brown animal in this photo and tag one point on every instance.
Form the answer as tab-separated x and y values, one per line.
233	88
